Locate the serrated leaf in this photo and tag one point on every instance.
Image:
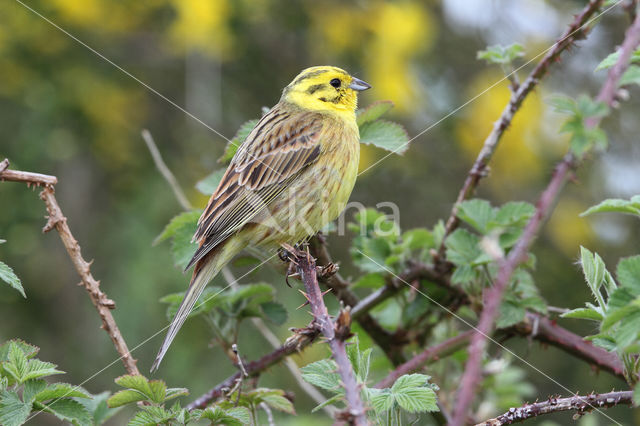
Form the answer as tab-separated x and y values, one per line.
125	397
135	382
382	400
16	364
209	184
175	392
32	388
476	213
8	276
615	205
28	349
373	280
373	112
68	410
583	313
594	270
462	247
514	213
498	54
274	312
143	418
322	374
628	273
61	390
158	391
628	329
279	402
408	381
612	58
384	134
419	238
630	76
238	139
37	369
98	408
510	313
417	400
236	416
13	412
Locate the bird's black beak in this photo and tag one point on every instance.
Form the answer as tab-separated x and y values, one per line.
359	85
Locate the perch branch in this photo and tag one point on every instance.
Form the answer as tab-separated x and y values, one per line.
336	333
580	404
493	296
57	220
576	31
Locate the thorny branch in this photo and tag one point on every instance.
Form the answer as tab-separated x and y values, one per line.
518	254
57	220
580	404
576	31
336	333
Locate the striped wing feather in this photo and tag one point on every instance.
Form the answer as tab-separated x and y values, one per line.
282	144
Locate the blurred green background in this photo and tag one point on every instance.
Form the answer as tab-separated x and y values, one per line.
67	112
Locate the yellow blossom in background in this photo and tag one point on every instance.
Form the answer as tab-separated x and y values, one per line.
518	159
389	36
400	32
202	25
104	15
567	230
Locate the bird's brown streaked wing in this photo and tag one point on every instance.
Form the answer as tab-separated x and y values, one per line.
280	146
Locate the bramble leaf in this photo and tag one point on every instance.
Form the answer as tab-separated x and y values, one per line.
502	55
8	276
238	139
616	205
384	134
209	184
13	412
373	112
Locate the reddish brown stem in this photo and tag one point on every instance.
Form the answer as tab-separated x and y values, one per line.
336	334
58	221
430	354
493	296
580	404
576	31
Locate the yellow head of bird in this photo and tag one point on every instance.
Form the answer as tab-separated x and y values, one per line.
325	88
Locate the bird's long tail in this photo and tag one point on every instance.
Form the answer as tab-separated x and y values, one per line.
204	271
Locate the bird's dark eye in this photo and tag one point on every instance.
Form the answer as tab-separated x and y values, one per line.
335	82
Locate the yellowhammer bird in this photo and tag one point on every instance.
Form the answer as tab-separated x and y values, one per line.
292	175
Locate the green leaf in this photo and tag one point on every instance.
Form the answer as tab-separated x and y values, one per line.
175	392
513	213
408	381
386	135
502	55
209	184
462	247
511	313
333	399
322	374
628	273
98	408
381	400
32	388
135	382
373	280
60	390
144	418
594	271
125	397
630	76
615	205
612	58
274	312
636	395
373	112
583	313
28	349
279	402
417	239
68	410
16	364
236	416
417	400
158	391
13	411
238	139
179	222
476	213
8	276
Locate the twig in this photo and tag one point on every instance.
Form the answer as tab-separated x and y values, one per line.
164	170
430	354
493	296
336	334
576	31
581	404
58	221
